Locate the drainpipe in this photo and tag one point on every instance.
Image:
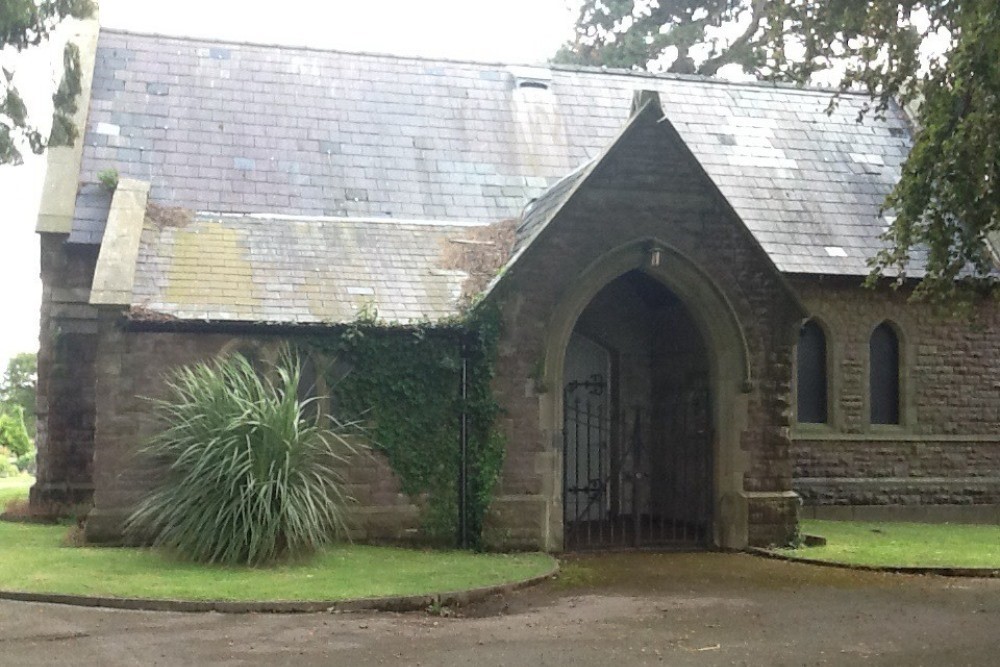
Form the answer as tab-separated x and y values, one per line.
463	469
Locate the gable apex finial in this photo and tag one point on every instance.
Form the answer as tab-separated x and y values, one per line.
641	97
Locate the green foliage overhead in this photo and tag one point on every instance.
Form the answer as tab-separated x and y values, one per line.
17	388
24	24
252	472
13	435
948	200
405	382
64	132
630	33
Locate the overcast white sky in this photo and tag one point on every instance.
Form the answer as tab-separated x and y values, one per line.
511	31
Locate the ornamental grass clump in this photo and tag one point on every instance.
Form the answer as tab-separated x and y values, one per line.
251	469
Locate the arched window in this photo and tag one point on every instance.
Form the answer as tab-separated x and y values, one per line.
811	398
883	377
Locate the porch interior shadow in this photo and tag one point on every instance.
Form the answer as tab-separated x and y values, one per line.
636	434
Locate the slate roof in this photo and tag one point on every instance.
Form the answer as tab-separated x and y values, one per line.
248	128
815	209
346	139
284	269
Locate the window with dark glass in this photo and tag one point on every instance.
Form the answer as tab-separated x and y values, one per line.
883	381
811	403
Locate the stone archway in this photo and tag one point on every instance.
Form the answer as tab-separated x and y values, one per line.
729	373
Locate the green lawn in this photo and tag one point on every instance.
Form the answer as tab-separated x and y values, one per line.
903	544
32	558
14	487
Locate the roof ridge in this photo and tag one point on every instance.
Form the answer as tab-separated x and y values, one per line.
559	67
315	49
702	78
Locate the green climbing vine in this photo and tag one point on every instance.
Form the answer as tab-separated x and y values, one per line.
405	382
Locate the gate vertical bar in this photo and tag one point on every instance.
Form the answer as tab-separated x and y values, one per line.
565	475
600	476
636	453
588	429
576	469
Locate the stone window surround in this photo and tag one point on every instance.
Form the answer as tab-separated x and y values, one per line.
834	417
886	400
832	405
907	391
835	376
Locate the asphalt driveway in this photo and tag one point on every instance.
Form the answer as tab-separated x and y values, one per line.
607	610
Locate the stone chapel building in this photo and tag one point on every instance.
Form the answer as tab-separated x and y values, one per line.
687	353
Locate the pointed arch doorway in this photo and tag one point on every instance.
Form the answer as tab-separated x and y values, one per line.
637	446
709	387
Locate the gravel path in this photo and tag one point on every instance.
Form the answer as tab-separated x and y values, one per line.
607	610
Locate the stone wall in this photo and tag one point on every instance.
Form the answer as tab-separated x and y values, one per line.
646	188
65	400
131	366
946	450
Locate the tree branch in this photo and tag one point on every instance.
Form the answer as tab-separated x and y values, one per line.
731	53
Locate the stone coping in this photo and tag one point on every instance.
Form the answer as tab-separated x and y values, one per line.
983	572
399	603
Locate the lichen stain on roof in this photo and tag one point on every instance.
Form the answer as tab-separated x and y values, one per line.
210	264
346	295
283	269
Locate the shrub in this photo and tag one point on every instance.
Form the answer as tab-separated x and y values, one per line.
109	179
7	467
26	462
251	468
13	434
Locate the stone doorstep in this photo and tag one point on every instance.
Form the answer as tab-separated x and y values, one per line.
402	603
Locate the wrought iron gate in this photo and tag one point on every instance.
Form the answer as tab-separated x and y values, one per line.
587	470
619	492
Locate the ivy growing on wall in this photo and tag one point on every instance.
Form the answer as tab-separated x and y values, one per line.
405	381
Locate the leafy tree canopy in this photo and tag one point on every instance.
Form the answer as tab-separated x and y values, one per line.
23	24
17	388
938	58
13	434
